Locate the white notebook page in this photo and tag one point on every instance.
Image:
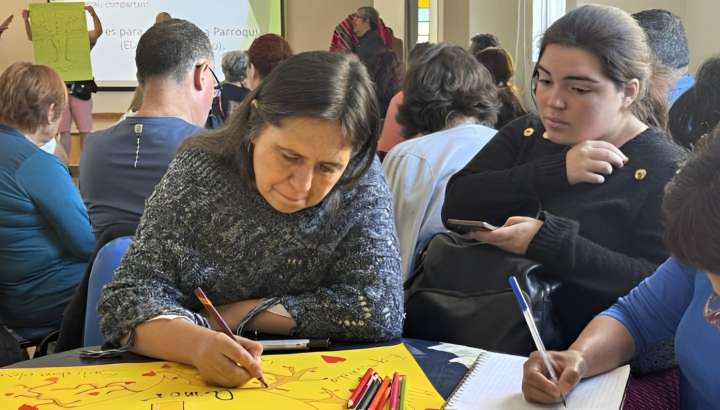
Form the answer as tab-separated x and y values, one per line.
495	383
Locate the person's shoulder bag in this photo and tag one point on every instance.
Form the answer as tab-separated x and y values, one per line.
460	294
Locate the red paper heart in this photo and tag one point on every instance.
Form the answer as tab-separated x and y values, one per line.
333	359
52	379
27	407
94	393
166	366
150	373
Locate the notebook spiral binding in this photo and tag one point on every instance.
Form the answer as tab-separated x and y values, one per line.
482	357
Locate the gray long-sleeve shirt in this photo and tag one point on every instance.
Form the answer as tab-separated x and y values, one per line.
335	266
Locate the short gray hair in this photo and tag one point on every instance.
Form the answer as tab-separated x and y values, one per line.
666	37
234	64
171	49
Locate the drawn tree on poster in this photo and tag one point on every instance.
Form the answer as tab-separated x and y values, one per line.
60	39
303	381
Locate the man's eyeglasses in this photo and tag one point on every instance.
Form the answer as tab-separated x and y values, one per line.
218	85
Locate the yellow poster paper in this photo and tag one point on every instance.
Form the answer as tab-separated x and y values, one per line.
317	380
60	39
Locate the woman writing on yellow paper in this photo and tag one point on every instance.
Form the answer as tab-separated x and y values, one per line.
282	217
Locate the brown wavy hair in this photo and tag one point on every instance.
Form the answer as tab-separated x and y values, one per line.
443	82
27	92
691	207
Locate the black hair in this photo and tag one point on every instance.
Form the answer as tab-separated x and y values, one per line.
500	65
171	48
444	82
691	207
621	48
697	111
386	72
666	37
318	84
480	42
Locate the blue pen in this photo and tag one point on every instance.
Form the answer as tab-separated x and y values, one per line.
527	314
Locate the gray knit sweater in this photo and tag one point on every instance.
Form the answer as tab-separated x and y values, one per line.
335	267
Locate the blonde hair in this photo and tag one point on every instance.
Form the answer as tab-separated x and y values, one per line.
27	91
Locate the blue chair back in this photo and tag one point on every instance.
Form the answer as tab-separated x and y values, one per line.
107	259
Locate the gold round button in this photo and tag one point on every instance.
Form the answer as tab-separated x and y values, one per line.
545	135
640	174
528	132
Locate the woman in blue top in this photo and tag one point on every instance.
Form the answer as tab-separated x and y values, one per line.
45	237
681	299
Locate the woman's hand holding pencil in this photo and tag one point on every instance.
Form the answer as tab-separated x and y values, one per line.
225	359
227	362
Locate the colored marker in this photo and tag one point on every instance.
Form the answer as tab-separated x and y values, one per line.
360	388
403	387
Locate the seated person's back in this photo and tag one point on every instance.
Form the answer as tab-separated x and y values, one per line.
45	237
233	92
120	166
464	104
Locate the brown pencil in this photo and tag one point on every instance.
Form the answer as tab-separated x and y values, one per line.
219	320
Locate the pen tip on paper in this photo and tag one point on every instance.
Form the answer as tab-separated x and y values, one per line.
262	381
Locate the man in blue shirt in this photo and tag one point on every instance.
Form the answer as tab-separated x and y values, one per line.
121	165
666	36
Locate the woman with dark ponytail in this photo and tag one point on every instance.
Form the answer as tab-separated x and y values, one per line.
578	186
501	66
283	217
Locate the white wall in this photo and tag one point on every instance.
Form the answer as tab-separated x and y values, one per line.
393	14
503	18
701	23
700	18
309	25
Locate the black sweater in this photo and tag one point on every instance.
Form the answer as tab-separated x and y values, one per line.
600	239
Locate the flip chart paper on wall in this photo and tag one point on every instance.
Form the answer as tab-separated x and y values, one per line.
60	39
318	380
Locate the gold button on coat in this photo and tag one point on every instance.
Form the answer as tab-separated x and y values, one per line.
528	132
545	135
640	174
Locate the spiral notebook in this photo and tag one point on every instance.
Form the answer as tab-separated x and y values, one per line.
494	382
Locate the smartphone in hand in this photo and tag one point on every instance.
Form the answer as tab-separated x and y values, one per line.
464	225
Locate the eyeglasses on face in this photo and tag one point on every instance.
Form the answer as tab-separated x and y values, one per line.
218	85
